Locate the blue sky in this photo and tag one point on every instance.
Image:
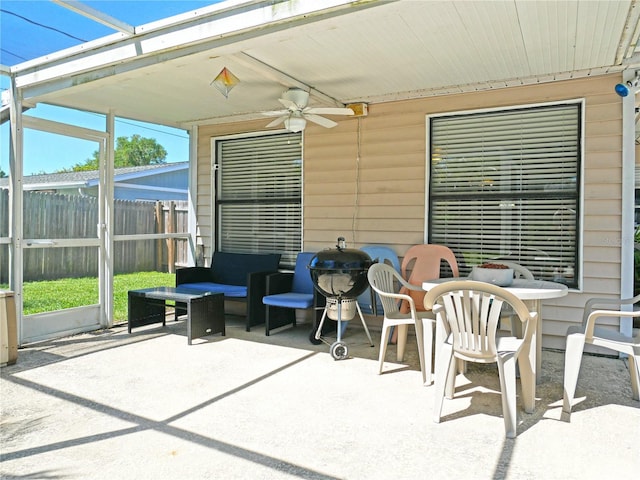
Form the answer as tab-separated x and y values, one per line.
32	28
47	153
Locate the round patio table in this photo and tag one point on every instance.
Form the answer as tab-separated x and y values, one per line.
532	292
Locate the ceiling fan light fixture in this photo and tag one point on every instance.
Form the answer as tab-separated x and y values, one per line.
297	112
295	124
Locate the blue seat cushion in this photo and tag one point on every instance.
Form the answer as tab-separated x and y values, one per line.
235	291
289	300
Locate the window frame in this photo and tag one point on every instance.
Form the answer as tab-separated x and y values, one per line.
574	283
288	256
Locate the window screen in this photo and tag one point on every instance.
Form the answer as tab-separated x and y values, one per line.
259	195
505	185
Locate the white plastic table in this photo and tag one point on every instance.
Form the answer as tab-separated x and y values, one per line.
532	292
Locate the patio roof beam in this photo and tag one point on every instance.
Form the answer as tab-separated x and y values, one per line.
96	15
631	33
276	75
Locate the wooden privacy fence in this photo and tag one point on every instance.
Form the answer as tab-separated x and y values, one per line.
51	216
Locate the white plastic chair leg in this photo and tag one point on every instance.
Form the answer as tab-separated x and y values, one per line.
451	378
439	343
444	364
507	373
572	360
527	382
383	346
419	340
401	342
428	326
634	369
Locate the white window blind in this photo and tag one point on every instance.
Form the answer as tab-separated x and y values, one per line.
505	185
259	195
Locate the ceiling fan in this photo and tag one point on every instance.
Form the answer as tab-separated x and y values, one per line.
296	113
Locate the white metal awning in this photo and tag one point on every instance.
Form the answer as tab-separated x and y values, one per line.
341	51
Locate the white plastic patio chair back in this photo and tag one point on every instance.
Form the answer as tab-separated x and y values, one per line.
386	282
588	332
519	271
467	315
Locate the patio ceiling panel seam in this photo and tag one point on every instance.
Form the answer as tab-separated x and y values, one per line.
172	41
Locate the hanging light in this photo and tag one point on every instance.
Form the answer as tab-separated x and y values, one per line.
225	81
295	123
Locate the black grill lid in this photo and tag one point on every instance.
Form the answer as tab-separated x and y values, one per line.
340	272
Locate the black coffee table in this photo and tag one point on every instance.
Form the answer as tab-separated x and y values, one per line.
205	310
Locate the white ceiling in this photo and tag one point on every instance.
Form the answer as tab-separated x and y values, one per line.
344	52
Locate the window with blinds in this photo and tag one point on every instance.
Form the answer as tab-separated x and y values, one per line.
259	195
505	185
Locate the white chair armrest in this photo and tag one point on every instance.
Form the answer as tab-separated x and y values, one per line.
593	302
415	288
401	297
593	316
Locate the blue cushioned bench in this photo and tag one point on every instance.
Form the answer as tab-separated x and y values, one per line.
239	276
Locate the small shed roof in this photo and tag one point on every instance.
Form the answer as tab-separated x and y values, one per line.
90	178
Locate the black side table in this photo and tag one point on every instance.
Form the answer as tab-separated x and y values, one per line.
205	310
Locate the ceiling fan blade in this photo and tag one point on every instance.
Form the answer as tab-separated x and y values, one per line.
325	122
289	104
276	113
329	111
277	121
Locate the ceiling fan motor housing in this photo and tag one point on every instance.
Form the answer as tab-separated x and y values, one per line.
297	96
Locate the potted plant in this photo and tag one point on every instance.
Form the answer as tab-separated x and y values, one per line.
495	273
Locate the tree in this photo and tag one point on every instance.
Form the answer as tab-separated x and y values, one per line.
2	173
132	152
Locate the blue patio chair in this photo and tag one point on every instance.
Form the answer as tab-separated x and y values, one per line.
369	302
287	292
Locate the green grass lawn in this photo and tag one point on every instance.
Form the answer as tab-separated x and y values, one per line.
51	295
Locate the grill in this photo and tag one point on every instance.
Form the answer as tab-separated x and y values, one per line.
340	274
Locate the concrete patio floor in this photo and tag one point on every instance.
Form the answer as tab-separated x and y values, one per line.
109	405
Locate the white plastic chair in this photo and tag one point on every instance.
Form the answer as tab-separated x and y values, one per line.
519	271
588	332
467	314
383	280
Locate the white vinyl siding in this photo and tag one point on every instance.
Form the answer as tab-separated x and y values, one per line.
505	185
373	192
259	195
